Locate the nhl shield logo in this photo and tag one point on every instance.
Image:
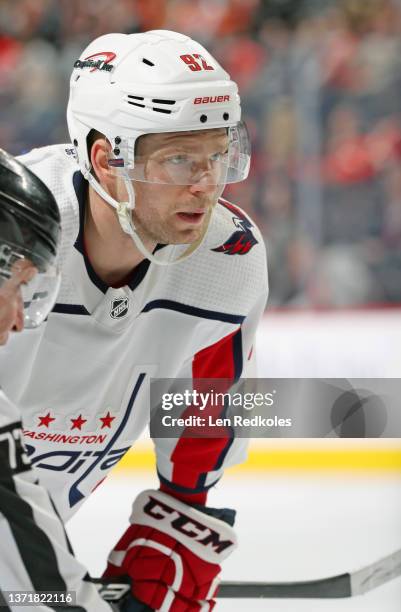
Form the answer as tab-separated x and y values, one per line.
119	307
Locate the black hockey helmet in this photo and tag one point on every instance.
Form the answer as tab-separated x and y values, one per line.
29	215
30	229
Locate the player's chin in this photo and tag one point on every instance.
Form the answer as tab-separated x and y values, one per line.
186	236
187	233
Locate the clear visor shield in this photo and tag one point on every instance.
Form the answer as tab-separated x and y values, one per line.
39	293
39	296
215	157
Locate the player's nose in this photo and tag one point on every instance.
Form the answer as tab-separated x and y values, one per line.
11	313
202	185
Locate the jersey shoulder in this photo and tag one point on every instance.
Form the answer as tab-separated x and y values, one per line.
48	162
56	165
228	273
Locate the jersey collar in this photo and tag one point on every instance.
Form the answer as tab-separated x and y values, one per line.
136	275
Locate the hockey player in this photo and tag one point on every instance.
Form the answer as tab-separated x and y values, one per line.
34	552
161	278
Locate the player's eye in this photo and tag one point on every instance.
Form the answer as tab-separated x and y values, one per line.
218	156
176	160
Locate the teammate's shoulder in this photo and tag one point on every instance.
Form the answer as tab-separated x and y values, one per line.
56	165
43	156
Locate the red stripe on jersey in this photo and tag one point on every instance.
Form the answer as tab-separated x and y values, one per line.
216	361
193	458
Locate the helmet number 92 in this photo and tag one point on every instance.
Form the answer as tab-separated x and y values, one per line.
192	61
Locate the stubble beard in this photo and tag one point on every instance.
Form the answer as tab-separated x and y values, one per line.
158	233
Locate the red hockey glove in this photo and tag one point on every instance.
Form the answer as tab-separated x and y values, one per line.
172	552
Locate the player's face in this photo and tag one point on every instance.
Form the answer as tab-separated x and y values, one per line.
11	304
178	213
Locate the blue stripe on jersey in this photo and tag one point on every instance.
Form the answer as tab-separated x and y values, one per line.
74	309
78	309
75	494
194	311
237	355
180	489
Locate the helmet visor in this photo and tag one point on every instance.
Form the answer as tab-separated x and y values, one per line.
216	157
39	296
40	293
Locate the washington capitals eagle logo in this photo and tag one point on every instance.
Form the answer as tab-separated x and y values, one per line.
242	240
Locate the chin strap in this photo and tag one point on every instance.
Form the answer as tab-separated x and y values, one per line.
124	213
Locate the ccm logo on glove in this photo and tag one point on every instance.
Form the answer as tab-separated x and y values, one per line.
186	525
208	537
173	553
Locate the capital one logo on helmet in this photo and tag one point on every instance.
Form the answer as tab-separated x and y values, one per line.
103	63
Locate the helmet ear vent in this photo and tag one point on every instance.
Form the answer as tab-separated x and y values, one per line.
159	101
136	103
148	62
146	103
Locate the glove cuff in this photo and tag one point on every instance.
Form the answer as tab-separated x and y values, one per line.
223	514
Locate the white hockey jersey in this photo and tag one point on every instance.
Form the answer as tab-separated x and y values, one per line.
35	554
82	379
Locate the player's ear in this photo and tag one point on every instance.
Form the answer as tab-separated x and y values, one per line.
99	154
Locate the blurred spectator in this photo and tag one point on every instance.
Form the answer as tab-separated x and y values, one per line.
320	84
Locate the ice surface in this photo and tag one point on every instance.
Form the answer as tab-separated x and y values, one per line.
291	527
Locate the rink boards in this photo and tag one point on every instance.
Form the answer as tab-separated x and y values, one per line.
343	344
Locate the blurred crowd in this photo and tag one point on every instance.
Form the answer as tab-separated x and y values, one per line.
320	83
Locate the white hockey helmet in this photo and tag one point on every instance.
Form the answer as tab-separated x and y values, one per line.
128	85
